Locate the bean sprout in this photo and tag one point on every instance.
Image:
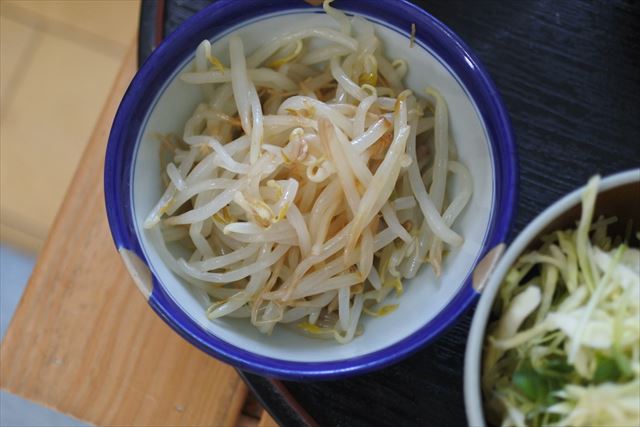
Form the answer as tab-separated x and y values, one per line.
296	188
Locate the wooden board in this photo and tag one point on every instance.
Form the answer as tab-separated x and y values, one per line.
266	420
84	341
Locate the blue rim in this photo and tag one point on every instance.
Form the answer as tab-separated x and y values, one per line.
218	18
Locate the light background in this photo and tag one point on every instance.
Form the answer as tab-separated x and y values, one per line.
58	60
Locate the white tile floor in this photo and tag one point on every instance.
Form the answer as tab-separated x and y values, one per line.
18	412
65	54
15	269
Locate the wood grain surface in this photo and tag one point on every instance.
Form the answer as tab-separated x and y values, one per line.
569	74
83	339
266	421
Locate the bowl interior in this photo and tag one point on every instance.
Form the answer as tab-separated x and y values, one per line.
425	296
622	202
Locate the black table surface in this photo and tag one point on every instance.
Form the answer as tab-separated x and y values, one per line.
569	74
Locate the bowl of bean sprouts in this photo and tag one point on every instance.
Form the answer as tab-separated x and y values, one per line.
302	190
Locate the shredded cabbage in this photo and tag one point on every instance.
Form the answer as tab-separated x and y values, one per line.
565	350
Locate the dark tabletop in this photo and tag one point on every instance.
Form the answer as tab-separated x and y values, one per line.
569	74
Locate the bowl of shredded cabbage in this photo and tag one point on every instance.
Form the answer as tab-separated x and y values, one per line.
304	190
555	339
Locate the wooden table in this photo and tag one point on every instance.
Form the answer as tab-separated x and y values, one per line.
84	341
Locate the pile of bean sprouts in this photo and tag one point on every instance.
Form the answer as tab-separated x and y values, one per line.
309	182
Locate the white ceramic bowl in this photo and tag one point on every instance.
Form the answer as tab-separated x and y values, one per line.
157	101
617	195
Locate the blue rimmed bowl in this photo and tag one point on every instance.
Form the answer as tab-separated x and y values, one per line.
158	102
